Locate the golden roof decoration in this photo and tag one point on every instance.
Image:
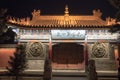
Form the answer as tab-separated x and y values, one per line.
57	21
97	13
36	14
110	21
66	20
66	10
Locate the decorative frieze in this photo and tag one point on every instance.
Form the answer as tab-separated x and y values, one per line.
34	34
101	34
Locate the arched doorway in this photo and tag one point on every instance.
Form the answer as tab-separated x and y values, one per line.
68	56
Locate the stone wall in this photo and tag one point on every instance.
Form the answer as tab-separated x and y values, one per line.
5	53
103	54
36	54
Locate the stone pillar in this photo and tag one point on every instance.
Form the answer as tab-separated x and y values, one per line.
119	53
85	55
50	49
119	61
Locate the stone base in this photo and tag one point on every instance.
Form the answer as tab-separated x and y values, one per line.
36	65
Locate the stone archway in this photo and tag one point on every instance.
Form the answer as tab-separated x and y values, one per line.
68	56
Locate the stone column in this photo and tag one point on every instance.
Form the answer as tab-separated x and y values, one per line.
119	53
85	55
119	61
50	48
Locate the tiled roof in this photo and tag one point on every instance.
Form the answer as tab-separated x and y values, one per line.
62	21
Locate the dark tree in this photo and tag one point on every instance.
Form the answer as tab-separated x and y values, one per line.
8	37
3	21
118	16
116	4
115	28
6	34
18	62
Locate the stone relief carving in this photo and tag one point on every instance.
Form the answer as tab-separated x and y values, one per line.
99	50
35	50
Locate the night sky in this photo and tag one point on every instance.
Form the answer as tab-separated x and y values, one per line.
23	8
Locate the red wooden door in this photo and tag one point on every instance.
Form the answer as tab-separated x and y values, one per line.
67	56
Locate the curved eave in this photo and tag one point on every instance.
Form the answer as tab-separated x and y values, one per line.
60	26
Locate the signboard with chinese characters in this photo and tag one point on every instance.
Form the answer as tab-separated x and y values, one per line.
68	34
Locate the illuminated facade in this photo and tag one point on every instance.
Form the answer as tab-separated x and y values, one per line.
69	40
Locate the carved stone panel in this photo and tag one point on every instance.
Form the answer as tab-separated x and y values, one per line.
99	50
35	50
103	54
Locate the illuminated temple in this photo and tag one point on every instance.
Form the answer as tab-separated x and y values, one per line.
69	41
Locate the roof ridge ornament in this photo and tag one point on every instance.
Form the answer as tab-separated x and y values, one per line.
97	13
110	21
36	13
66	10
66	15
